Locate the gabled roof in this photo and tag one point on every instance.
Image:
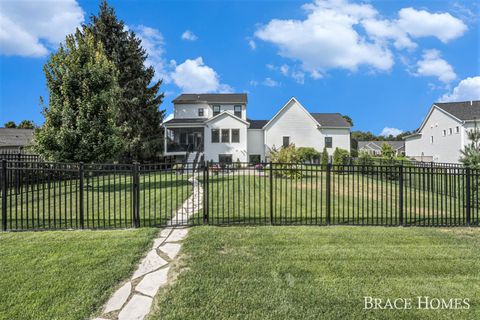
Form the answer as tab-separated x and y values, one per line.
226	113
291	100
377	145
15	137
257	124
224	98
331	120
464	110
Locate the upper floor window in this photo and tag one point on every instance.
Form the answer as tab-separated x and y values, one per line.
457	129
450	131
215	135
200	112
237	111
328	142
286	142
444	133
226	135
216	110
235	135
431	139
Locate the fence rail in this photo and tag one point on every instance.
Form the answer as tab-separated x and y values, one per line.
40	195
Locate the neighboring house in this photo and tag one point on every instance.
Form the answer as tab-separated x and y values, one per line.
13	140
216	126
374	148
443	132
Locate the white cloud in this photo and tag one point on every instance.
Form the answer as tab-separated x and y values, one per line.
433	65
153	43
467	89
31	28
387	131
252	44
195	77
269	82
253	83
284	69
189	36
382	30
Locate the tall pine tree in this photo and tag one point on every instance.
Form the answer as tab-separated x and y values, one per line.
80	116
138	115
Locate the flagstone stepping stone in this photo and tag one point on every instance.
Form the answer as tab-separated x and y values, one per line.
157	242
177	235
152	282
151	263
136	309
165	232
171	249
119	298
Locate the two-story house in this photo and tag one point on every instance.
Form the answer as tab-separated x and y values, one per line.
216	126
443	132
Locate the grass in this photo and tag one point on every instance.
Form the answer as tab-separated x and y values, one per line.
107	201
65	275
320	273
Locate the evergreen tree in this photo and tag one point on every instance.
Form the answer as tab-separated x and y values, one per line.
324	158
83	90
10	124
471	153
26	124
138	116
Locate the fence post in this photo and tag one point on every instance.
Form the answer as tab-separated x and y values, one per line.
468	194
81	174
205	192
271	191
400	195
136	196
329	189
4	194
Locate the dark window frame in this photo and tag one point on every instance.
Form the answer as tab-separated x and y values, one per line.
227	156
328	142
256	156
201	112
283	141
215	135
215	113
232	135
237	113
222	136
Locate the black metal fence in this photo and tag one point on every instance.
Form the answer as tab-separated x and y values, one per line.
39	195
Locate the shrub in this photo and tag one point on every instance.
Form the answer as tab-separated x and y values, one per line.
285	161
340	156
307	154
324	159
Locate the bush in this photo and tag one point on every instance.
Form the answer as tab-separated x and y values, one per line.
285	161
340	156
324	159
306	154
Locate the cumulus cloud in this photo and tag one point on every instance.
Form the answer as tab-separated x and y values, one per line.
153	43
189	36
31	28
269	82
252	44
467	89
345	35
432	64
387	131
195	77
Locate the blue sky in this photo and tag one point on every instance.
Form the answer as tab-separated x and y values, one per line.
383	63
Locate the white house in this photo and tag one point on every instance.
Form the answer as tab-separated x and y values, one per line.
374	148
443	132
216	126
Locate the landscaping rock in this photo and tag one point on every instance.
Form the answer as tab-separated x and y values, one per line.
171	249
177	235
152	282
119	298
151	263
136	309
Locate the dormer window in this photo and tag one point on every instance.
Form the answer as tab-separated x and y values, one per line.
216	110
200	112
237	111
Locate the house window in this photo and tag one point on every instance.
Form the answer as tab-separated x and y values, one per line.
183	138
236	135
237	111
226	135
200	112
286	141
457	129
225	158
328	142
215	135
255	158
444	133
450	131
431	139
216	110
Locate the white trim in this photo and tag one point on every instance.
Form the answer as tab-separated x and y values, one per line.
433	107
228	114
292	99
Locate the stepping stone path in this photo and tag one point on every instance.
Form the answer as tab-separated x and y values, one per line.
133	300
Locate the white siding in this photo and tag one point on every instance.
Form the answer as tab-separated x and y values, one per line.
256	145
237	150
444	148
297	124
191	110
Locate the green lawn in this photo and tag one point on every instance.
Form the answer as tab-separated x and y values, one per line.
321	272
65	275
107	201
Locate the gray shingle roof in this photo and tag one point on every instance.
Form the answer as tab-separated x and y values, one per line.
465	110
331	120
15	137
257	124
377	145
233	98
185	121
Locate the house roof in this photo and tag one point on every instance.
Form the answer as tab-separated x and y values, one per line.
257	124
233	98
377	145
464	110
15	137
331	120
185	121
227	114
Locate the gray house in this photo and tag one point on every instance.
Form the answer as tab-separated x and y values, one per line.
374	148
15	140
